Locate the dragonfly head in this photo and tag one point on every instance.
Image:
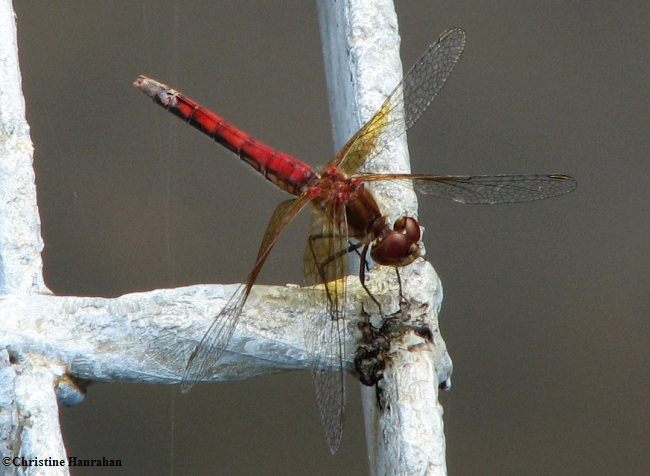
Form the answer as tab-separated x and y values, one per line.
399	246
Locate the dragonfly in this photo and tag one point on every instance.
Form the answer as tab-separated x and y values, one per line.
349	219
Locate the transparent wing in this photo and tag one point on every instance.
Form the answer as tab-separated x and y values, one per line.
326	263
406	103
483	189
207	353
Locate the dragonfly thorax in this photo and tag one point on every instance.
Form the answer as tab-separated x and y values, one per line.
337	195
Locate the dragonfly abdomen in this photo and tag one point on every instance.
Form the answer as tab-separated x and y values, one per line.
284	170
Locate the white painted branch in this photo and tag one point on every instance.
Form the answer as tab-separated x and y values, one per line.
404	431
148	337
38	430
29	424
20	225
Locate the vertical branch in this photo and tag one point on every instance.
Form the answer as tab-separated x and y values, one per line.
20	226
404	430
29	417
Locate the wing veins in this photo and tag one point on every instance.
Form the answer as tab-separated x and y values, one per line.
207	353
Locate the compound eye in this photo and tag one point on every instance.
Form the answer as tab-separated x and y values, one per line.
410	227
392	249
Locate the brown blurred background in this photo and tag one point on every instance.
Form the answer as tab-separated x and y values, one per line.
547	305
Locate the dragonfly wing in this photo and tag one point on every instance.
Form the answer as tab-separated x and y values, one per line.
208	352
483	189
406	103
283	214
325	331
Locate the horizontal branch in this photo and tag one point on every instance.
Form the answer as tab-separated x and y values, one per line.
149	336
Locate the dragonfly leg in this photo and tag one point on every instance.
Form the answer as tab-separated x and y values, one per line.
349	249
352	247
362	276
403	302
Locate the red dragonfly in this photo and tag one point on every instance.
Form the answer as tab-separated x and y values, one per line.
350	219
